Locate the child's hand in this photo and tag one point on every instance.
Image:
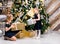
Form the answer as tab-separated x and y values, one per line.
34	20
13	26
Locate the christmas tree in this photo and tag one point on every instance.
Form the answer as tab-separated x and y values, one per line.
21	9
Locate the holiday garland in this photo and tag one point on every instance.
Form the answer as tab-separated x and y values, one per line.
20	6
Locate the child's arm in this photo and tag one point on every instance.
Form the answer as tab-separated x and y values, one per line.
8	28
37	18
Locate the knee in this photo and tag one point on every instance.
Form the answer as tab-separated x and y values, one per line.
13	38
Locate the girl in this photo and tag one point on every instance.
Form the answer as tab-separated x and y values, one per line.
37	26
10	35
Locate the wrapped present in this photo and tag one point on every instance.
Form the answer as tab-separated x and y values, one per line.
18	26
23	33
31	33
31	21
20	35
31	12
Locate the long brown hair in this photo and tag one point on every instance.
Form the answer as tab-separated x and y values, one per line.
8	18
8	14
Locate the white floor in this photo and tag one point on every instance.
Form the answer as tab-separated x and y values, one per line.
48	38
51	38
21	41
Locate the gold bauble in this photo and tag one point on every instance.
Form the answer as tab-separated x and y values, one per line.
26	17
40	8
42	23
25	24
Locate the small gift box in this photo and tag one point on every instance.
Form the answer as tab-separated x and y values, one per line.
31	21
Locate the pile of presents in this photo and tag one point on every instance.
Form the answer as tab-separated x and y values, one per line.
23	33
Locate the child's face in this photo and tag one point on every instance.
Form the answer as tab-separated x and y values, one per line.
8	12
36	10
